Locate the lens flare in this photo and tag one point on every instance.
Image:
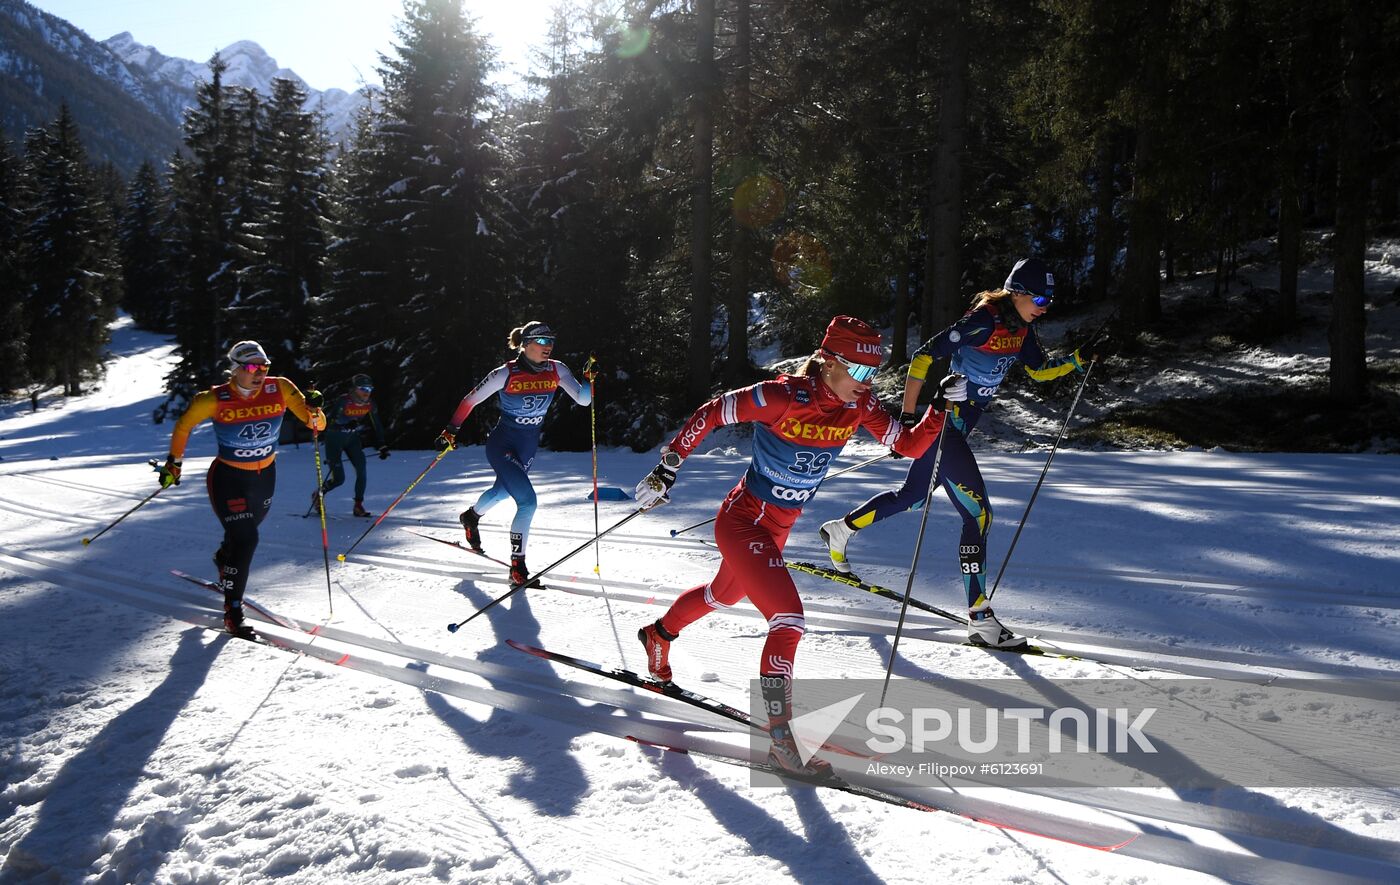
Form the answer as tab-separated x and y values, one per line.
633	42
758	200
801	262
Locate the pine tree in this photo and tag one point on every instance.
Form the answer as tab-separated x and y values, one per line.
13	336
441	137
207	194
349	330
574	266
67	259
285	243
139	237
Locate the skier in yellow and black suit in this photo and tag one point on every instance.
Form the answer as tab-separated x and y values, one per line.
247	414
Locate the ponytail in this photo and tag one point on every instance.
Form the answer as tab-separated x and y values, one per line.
517	336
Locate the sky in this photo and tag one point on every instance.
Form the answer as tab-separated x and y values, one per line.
329	43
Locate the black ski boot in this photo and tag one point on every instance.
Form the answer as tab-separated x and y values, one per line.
469	519
233	621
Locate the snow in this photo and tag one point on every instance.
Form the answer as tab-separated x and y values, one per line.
143	745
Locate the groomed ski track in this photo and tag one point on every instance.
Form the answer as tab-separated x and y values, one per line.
1232	844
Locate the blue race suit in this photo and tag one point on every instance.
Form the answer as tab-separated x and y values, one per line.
526	390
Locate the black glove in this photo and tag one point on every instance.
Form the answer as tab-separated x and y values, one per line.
908	419
446	440
1094	352
170	473
383	452
315	399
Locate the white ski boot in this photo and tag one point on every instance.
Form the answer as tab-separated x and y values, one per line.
836	535
983	629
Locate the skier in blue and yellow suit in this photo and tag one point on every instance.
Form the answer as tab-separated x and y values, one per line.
348	416
247	413
993	336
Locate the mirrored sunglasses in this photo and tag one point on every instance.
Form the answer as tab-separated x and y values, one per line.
545	342
254	368
367	388
859	372
1038	300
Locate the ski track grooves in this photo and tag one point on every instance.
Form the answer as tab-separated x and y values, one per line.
1161	827
865	620
1275	590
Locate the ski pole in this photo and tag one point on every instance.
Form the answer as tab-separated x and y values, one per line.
918	544
144	501
590	369
321	505
402	495
1063	427
453	628
837	473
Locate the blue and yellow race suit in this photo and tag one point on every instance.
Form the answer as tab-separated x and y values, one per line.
984	345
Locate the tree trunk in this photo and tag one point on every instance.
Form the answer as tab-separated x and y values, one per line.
741	241
1146	231
702	119
943	263
1346	333
1105	224
1290	235
1147	216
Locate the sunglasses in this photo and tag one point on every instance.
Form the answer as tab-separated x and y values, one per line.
254	368
366	388
859	372
544	342
1038	300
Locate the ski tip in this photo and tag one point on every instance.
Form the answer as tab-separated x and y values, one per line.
667	747
528	649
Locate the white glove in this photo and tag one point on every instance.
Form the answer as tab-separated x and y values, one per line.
652	490
953	388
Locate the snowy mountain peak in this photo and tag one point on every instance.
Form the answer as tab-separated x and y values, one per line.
249	66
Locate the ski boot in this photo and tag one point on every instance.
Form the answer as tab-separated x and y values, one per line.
985	631
657	640
469	519
784	754
520	573
233	620
836	535
360	510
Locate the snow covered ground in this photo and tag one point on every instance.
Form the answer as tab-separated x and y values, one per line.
142	745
